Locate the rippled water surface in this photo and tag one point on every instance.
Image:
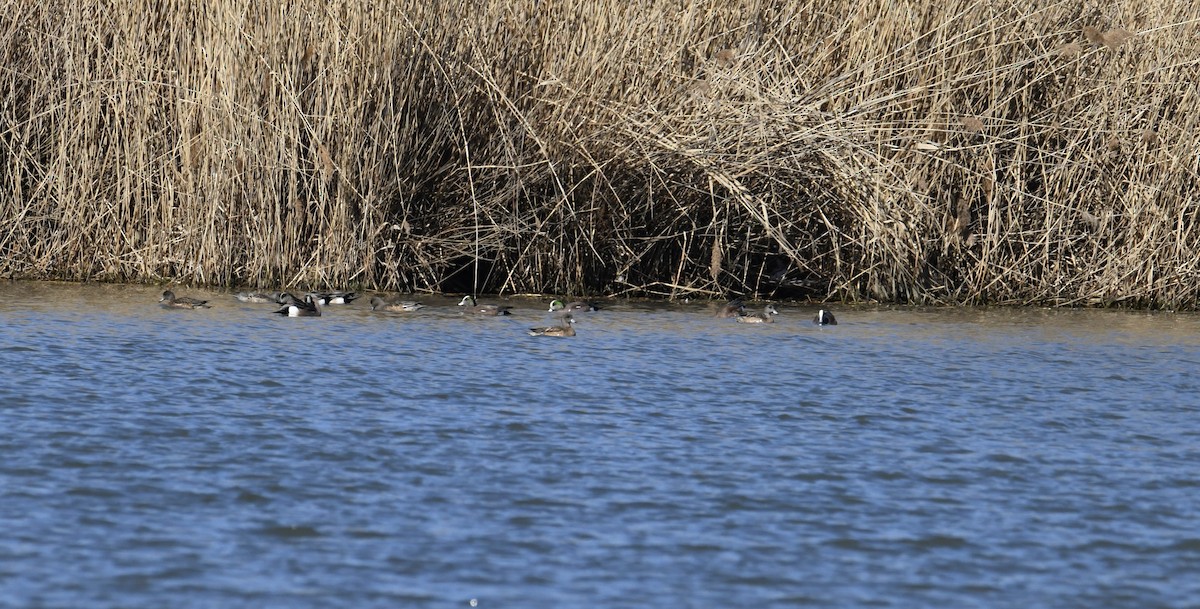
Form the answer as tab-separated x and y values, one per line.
229	457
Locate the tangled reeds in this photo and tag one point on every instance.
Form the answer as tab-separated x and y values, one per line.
955	152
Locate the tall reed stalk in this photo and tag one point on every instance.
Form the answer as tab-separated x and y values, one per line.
945	152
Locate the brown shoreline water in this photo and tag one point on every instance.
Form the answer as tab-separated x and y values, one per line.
908	456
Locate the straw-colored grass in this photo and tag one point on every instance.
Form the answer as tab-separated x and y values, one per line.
923	152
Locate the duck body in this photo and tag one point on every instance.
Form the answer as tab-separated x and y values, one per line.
766	317
334	298
294	307
824	318
487	310
171	301
405	306
733	308
258	297
286	298
566	327
577	306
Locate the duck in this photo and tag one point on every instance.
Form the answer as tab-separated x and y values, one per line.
332	298
766	317
824	318
286	298
379	304
573	307
475	308
566	327
171	301
258	297
294	307
733	308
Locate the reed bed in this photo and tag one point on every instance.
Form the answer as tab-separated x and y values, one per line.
910	152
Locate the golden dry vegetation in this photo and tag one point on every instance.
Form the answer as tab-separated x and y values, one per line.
899	151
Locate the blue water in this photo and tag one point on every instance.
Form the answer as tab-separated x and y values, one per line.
229	457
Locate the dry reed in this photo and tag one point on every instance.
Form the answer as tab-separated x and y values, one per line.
956	152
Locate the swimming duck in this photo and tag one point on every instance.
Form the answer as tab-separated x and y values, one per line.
766	317
332	298
574	307
258	297
733	308
379	304
169	300
475	308
566	327
294	307
824	318
286	298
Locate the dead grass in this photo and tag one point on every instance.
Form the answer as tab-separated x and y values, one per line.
954	152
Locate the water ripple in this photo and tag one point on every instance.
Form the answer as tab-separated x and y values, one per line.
907	457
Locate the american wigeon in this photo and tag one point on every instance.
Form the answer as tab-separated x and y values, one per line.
824	318
733	308
475	308
170	300
766	317
566	327
577	306
379	304
258	297
309	307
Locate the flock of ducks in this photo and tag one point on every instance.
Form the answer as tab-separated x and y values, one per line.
313	302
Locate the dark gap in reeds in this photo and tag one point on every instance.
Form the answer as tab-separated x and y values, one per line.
959	153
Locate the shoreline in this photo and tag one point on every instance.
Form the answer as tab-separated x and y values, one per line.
600	298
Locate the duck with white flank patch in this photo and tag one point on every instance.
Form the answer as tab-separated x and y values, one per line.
334	298
824	318
294	307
